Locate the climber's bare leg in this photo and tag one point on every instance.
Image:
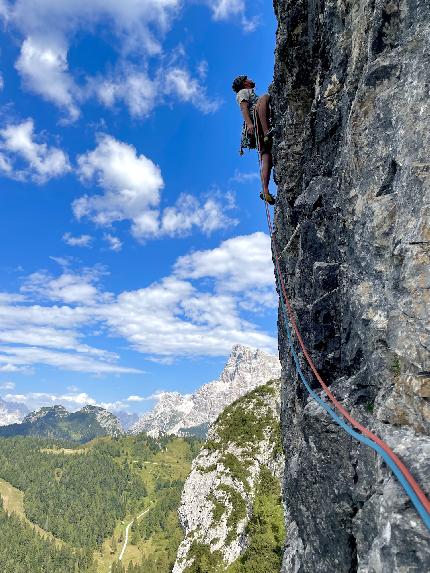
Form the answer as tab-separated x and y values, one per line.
263	111
266	168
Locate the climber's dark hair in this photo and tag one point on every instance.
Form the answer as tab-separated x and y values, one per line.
238	83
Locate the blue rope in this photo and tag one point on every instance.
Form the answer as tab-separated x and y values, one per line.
363	439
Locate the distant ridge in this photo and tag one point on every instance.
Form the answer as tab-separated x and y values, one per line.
58	423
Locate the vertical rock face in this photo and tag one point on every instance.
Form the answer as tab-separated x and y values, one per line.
351	101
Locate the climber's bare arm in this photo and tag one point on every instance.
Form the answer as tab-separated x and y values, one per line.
244	107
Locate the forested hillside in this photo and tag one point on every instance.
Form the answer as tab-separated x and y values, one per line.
86	496
23	550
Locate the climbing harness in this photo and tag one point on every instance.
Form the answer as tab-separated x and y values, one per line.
411	487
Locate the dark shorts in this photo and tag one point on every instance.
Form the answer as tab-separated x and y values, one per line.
250	141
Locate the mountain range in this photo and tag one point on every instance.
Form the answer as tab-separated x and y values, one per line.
191	414
174	413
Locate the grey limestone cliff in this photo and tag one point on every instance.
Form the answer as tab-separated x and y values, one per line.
351	102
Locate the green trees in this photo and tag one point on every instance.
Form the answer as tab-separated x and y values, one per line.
265	531
79	498
82	494
22	550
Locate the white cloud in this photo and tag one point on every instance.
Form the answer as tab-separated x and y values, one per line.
1	81
44	70
224	9
199	310
114	243
7	386
131	183
240	177
42	162
13	368
173	318
74	362
36	400
139	93
136	399
68	287
137	29
178	81
4	10
81	241
238	264
132	186
49	26
233	9
188	212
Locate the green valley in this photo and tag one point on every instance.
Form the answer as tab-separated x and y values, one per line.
72	505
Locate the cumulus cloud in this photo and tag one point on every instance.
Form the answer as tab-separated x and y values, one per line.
141	93
69	287
137	28
43	67
228	9
178	81
41	162
174	318
7	386
8	367
238	264
132	186
49	26
224	9
72	400
81	241
131	183
36	400
75	362
135	88
189	212
240	177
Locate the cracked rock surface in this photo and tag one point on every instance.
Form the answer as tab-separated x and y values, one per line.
351	103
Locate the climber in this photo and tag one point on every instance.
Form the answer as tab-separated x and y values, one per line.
256	109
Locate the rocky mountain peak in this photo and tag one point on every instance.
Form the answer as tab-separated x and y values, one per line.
246	368
106	419
56	411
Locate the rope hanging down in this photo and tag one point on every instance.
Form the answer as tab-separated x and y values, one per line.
409	484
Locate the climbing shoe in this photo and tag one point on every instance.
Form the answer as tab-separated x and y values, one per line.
268	198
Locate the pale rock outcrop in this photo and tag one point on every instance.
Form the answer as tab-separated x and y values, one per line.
224	475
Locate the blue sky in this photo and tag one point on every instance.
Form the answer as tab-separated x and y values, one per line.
133	248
